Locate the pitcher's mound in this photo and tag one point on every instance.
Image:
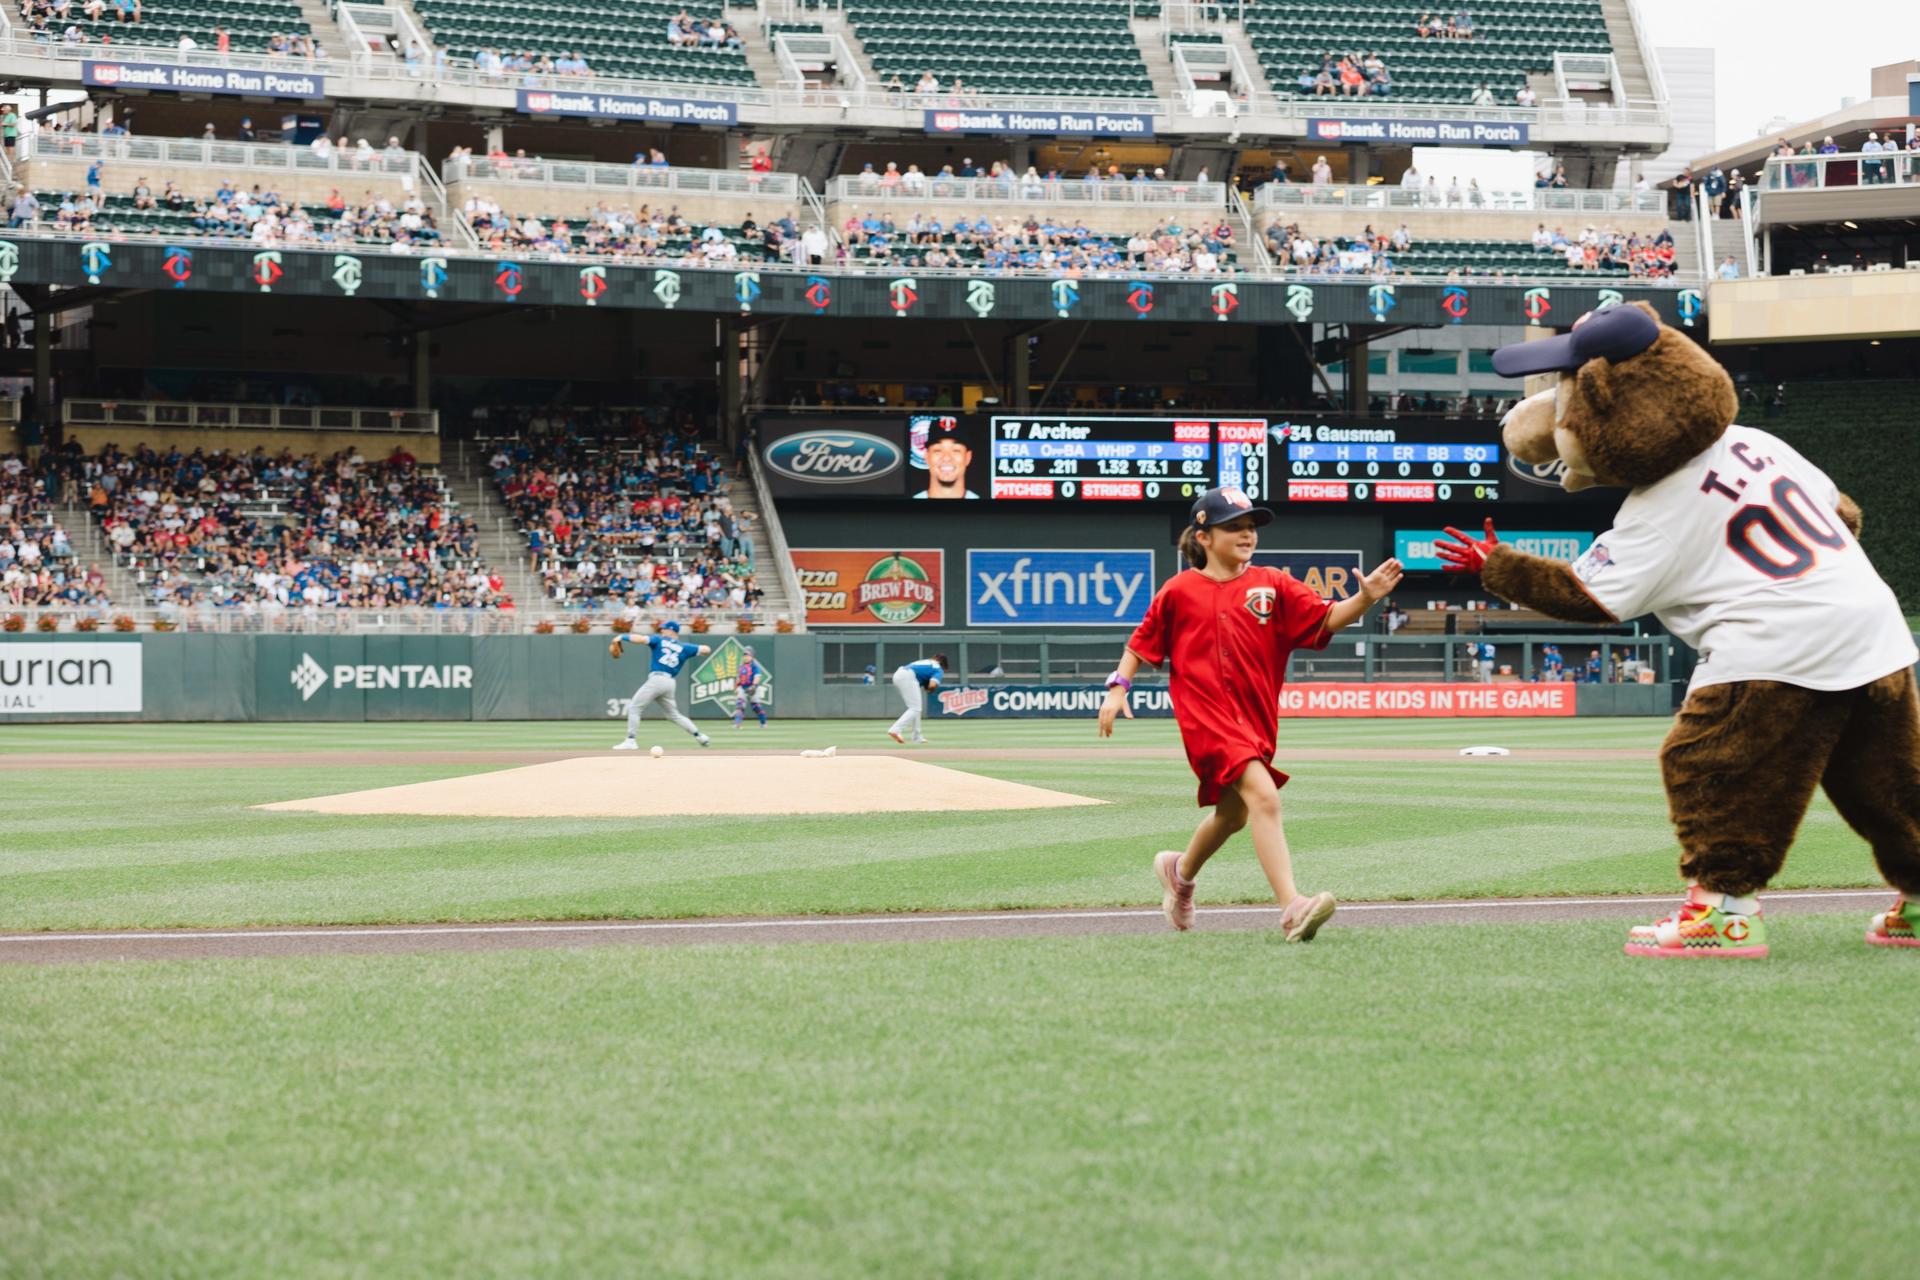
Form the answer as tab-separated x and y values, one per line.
680	785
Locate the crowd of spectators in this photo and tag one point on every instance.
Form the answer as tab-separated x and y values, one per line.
267	533
641	235
1432	26
998	181
1366	253
38	565
619	512
1609	248
1049	242
686	32
234	212
495	65
1352	75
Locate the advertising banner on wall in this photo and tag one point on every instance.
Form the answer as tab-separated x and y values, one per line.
1058	588
180	79
73	678
1418	133
1069	124
1415	547
1300	701
872	588
625	106
821	458
715	679
364	678
1334	575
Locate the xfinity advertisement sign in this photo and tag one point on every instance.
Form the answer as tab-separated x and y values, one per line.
1058	588
625	106
178	79
1419	133
1078	124
70	678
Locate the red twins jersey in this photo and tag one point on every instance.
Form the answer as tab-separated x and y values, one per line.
1229	642
1741	555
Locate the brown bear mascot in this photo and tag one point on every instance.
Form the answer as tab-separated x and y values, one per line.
1746	551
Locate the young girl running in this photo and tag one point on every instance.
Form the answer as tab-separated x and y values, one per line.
1228	626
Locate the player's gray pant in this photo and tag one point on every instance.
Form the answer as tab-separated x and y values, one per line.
658	688
908	725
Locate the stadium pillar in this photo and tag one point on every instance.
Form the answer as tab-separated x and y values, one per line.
43	369
422	371
1018	367
1359	165
729	374
1357	371
496	138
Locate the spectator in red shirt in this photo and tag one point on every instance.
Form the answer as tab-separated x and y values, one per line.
1228	626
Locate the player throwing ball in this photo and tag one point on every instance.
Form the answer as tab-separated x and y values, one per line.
746	689
1228	626
909	680
667	653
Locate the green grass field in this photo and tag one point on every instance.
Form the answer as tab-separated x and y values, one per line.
1468	1100
179	846
1473	1101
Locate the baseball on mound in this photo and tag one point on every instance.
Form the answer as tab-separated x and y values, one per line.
656	752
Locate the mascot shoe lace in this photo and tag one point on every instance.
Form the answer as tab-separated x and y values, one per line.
1894	927
1701	929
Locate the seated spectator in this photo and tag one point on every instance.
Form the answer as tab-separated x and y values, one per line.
1525	96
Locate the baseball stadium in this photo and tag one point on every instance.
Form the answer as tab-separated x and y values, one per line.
904	638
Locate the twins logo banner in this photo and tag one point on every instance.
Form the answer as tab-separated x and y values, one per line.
872	588
134	263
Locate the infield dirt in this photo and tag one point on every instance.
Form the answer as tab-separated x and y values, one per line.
635	785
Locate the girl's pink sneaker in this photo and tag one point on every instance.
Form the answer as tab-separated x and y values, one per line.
1178	900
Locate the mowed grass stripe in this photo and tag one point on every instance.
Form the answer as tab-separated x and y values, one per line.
154	848
1470	1101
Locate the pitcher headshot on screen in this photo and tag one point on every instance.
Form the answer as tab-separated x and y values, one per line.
947	461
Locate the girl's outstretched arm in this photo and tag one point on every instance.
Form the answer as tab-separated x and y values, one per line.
1117	702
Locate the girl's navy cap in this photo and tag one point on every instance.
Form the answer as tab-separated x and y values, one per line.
1217	506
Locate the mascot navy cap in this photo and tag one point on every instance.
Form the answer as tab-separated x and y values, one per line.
1614	334
1217	506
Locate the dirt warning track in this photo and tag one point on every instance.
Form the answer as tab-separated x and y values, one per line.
185	944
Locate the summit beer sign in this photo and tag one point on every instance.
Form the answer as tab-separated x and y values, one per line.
1073	124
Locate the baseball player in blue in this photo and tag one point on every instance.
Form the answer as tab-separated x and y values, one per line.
910	680
746	685
667	653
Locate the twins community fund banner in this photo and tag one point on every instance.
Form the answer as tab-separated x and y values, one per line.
1331	700
871	588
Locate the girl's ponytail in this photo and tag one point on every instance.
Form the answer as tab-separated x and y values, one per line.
1196	555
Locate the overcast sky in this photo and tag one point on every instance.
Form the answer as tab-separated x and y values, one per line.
1771	60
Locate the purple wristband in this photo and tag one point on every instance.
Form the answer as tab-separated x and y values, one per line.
1118	681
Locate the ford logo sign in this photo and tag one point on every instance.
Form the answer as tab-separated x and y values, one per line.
833	457
1545	474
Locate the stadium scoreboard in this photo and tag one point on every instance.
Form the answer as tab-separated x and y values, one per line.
1325	462
1123	459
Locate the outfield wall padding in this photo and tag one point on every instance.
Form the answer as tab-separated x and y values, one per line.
359	679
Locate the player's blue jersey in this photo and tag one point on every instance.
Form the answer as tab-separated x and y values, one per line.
926	671
749	674
667	654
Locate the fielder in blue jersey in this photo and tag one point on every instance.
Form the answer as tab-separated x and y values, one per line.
910	679
746	688
665	654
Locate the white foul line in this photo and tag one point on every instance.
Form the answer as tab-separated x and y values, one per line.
904	918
